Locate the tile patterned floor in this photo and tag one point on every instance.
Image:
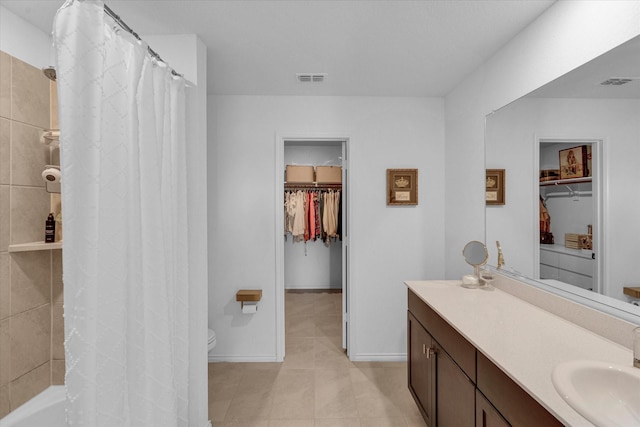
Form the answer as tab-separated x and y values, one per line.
316	385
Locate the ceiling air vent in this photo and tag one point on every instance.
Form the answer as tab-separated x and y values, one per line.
617	81
311	77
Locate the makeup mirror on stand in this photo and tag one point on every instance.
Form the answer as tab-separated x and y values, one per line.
475	253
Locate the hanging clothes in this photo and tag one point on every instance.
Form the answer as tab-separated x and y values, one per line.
312	214
330	214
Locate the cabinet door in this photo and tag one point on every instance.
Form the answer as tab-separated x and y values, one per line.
421	370
455	393
486	414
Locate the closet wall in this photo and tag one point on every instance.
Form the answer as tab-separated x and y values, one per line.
314	264
568	214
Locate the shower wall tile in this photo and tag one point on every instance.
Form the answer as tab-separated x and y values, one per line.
58	371
57	332
28	155
29	94
5	85
5	286
29	209
26	278
5	224
57	290
53	90
5	353
30	280
30	384
5	151
5	406
30	341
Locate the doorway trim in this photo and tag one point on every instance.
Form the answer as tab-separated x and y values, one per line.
280	140
598	184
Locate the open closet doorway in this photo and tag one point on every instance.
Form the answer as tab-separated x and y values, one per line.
570	172
312	256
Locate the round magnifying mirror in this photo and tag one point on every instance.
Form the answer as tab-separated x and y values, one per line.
476	254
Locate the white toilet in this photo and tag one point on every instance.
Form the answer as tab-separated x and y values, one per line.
212	339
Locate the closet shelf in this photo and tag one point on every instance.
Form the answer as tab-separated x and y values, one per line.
35	246
565	181
305	185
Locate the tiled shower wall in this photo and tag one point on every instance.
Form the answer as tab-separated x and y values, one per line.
31	325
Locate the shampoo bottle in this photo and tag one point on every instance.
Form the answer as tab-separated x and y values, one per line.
50	229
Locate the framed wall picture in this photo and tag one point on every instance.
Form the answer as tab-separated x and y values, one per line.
573	162
494	187
402	186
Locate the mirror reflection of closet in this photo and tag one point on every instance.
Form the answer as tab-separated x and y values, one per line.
568	212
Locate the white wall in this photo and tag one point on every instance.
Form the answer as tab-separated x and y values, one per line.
566	36
313	264
511	134
24	41
388	244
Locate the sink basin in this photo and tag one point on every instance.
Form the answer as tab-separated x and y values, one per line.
606	394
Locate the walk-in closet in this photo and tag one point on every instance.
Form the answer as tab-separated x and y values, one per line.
314	196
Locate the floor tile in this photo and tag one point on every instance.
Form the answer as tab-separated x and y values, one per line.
316	385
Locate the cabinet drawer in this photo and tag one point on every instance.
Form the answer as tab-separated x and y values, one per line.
576	264
515	404
549	258
460	350
547	272
575	279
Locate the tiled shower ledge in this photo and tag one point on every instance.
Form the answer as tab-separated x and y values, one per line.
35	246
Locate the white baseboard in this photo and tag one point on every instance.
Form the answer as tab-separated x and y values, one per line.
216	358
379	357
360	357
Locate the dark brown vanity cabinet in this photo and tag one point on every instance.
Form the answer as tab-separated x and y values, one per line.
486	414
422	370
444	392
453	384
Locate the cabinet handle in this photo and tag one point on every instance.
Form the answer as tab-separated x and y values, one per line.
429	351
424	349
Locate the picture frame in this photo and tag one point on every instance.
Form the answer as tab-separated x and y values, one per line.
495	187
574	162
402	187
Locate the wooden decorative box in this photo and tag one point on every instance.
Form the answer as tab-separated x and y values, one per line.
578	241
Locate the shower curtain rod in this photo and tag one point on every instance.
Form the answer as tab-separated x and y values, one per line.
127	28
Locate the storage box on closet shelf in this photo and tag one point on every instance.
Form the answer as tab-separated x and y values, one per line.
329	174
299	174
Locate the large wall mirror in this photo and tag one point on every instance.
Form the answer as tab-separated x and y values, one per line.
571	149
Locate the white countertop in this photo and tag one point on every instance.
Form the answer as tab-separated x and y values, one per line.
525	341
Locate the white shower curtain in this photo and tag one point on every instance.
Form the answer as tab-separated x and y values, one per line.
122	123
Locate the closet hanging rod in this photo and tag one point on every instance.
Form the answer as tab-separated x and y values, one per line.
128	29
311	185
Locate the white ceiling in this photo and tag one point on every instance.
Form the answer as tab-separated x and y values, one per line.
584	81
369	48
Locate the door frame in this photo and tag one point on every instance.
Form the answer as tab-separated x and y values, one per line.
280	140
597	185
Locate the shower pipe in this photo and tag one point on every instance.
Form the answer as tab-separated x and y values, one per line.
127	28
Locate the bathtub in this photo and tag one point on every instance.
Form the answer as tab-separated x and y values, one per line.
47	409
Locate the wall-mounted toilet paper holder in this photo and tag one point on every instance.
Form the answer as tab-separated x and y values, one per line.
249	299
